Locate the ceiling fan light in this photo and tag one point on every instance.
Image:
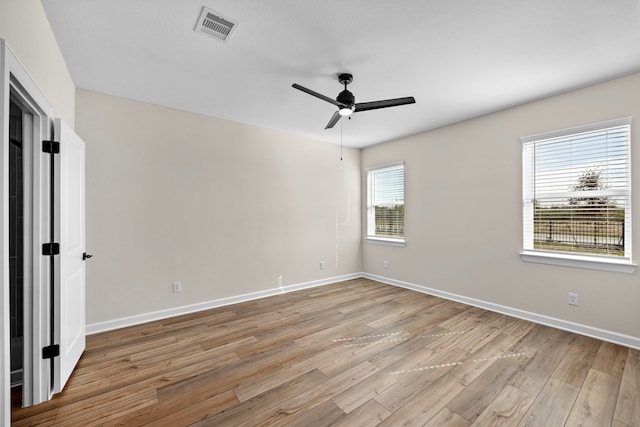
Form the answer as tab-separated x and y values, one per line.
345	111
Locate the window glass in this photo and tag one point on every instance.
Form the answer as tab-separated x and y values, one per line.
385	207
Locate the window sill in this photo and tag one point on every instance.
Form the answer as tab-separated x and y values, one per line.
386	241
579	261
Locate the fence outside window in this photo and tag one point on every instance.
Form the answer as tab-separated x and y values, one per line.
597	237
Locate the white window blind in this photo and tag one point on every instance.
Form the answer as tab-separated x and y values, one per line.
385	202
576	191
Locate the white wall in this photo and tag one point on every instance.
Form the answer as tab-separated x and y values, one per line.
224	208
464	212
24	26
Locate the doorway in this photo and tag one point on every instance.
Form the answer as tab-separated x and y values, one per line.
26	221
42	249
16	244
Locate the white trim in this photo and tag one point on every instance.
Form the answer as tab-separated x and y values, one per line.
622	121
386	165
124	322
386	241
590	331
580	261
5	334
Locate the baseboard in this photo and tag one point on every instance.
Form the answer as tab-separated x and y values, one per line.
124	322
577	328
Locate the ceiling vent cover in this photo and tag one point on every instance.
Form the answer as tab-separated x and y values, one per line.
216	25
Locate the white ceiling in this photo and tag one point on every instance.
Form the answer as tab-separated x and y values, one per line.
458	58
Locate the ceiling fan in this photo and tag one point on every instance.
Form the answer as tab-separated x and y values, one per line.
346	102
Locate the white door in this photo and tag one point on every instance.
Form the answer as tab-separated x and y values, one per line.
69	222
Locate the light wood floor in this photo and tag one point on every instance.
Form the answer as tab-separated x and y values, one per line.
356	353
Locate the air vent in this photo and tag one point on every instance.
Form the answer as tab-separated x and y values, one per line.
214	24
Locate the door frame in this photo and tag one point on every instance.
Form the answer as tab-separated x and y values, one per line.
17	84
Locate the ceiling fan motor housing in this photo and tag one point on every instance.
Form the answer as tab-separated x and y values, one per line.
345	97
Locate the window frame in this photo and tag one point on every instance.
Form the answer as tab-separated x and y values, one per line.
622	264
370	219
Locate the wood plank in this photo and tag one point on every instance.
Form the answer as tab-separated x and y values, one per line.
405	349
507	409
617	423
576	364
511	326
468	319
536	372
534	339
475	398
325	414
219	379
37	419
425	404
552	405
446	417
270	380
350	356
250	411
312	397
469	339
367	389
333	331
368	414
415	381
394	313
596	402
628	405
484	357
268	343
610	359
106	407
175	412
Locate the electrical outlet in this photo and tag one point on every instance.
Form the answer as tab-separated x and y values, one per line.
321	265
574	299
386	264
177	287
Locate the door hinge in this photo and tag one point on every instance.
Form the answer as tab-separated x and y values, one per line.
51	249
51	351
52	147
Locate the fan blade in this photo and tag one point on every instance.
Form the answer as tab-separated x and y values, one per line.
334	119
316	94
374	105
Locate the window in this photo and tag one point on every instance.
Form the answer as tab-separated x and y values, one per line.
385	203
576	193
